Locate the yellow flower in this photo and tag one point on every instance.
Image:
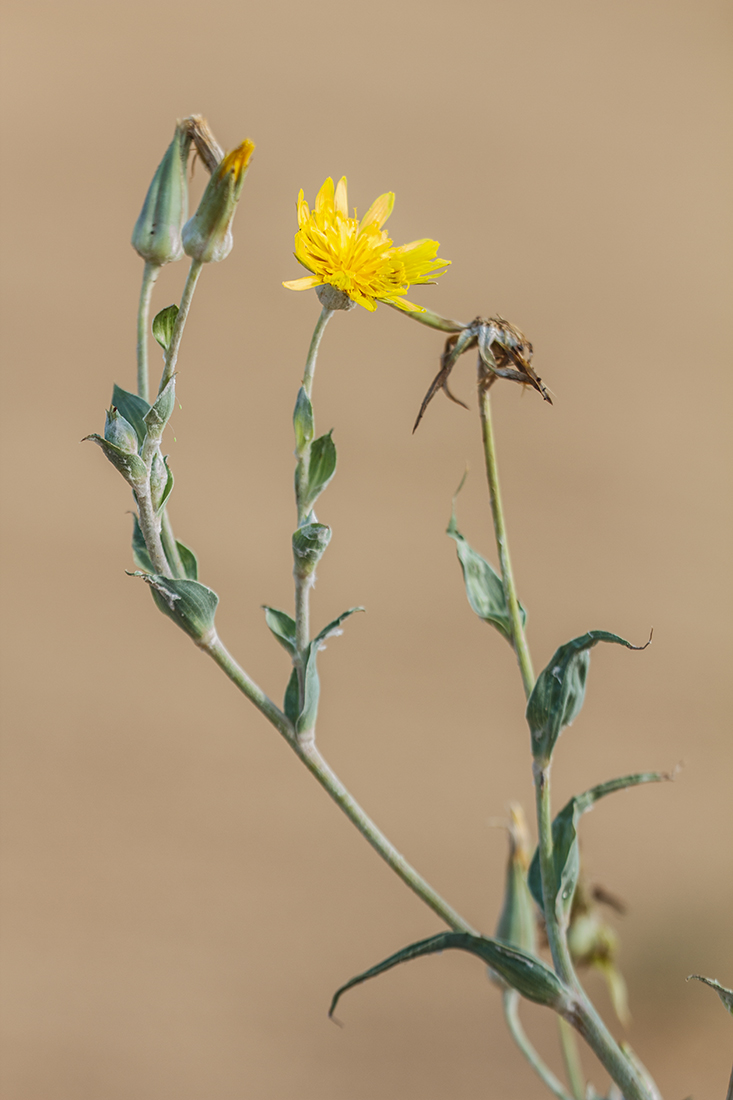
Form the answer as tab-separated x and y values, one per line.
357	257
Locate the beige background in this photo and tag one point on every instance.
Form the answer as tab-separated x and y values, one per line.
180	898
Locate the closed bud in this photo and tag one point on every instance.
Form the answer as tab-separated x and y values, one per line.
207	236
517	925
157	233
120	432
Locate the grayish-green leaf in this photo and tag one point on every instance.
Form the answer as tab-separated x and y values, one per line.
312	689
168	489
140	554
282	626
132	467
160	412
726	995
303	420
163	325
521	970
565	850
309	545
188	561
558	695
191	605
321	468
291	704
484	587
133	408
333	628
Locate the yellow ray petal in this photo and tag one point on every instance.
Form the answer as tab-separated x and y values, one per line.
324	198
306	283
340	200
379	211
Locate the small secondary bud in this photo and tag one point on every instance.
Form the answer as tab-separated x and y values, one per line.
157	233
309	546
207	236
120	432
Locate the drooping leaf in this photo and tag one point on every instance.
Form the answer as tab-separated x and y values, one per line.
163	325
282	626
133	408
321	468
191	605
333	627
558	695
484	586
140	554
521	970
303	424
291	705
726	995
565	850
188	561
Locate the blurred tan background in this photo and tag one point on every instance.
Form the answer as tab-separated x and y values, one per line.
180	898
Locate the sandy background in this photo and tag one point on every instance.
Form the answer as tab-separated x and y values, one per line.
180	898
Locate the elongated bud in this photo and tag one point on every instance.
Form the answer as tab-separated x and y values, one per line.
120	432
207	236
157	233
517	921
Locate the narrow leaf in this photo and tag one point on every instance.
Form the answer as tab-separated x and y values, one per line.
726	995
558	695
282	626
333	627
303	420
163	325
291	704
521	970
140	554
168	487
312	689
188	561
484	587
133	408
321	467
565	850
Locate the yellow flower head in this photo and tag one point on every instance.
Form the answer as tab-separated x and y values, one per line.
357	257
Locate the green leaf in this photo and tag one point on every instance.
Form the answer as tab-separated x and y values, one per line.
303	420
160	412
140	554
291	704
484	586
168	487
521	970
191	605
282	626
558	695
726	995
321	468
565	850
133	408
307	717
188	561
163	325
333	627
132	467
309	546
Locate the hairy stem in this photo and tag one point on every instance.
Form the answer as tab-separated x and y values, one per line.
317	766
511	1014
150	527
171	357
571	1058
150	275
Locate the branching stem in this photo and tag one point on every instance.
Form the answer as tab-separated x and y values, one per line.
517	1032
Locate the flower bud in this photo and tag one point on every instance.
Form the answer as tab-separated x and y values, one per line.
157	233
517	924
207	236
120	432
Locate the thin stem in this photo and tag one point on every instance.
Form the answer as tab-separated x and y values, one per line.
310	363
511	1014
729	1095
555	933
571	1058
171	546
150	275
317	766
510	593
172	354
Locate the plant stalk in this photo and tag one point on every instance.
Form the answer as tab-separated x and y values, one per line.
571	1058
171	357
150	276
517	1032
317	766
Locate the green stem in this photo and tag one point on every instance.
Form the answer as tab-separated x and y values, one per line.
150	275
511	1014
571	1058
172	354
150	527
317	766
171	546
510	593
310	363
432	320
730	1087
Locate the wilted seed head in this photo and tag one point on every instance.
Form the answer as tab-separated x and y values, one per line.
595	944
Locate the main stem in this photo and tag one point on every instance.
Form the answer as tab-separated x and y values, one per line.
317	766
585	1019
150	275
171	357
